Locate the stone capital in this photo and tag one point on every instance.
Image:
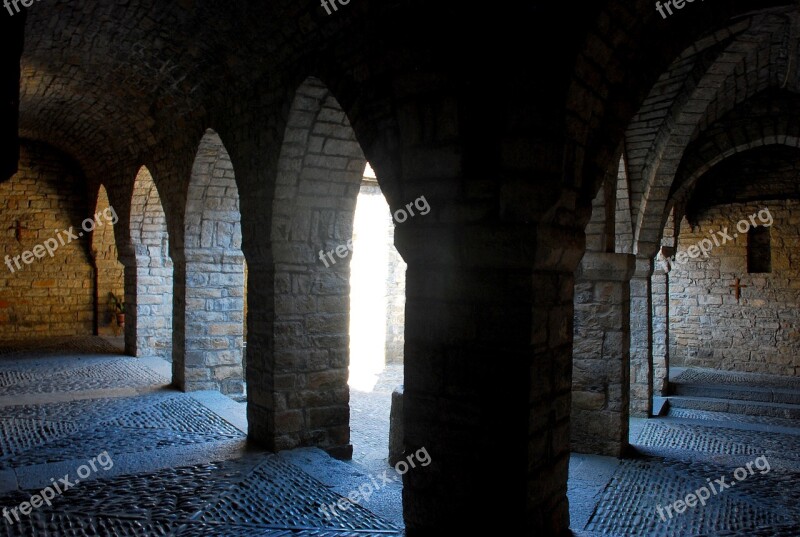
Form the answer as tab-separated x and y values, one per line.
602	266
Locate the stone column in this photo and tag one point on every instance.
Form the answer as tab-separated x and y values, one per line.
660	290
213	322
601	354
179	321
152	307
128	260
642	339
488	342
261	378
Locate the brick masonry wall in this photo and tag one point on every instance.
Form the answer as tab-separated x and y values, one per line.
50	296
708	328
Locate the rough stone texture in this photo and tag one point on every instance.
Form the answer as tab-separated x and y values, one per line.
148	274
212	331
51	295
660	285
110	273
178	468
320	173
601	354
641	339
760	333
510	161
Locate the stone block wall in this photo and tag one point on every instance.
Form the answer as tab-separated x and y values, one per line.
641	347
51	296
708	327
214	276
601	354
149	274
319	177
110	272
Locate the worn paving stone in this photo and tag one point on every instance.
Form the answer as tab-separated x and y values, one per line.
677	459
629	505
728	378
662	436
707	415
51	375
131	425
254	493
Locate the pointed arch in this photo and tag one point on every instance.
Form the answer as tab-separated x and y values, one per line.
214	275
109	271
320	171
148	291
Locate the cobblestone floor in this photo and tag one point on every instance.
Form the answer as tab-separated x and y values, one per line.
178	467
684	452
369	419
181	466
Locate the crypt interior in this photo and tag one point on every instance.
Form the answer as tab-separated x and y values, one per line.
400	268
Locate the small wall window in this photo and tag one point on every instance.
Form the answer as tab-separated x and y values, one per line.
759	250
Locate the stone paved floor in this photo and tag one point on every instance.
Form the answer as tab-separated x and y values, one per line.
684	452
141	459
174	464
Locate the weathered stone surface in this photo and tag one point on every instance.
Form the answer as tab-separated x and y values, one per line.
708	327
601	354
51	295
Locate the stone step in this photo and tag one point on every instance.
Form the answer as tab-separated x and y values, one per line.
742	393
736	406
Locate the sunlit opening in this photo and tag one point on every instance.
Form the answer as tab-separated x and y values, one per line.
369	272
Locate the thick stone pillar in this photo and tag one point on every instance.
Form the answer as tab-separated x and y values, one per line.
128	260
488	376
211	326
660	290
261	378
179	373
152	307
601	354
642	339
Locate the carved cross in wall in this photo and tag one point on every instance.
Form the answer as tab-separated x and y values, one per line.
738	286
18	229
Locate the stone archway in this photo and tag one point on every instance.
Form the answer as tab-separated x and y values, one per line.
320	173
109	271
148	277
214	276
